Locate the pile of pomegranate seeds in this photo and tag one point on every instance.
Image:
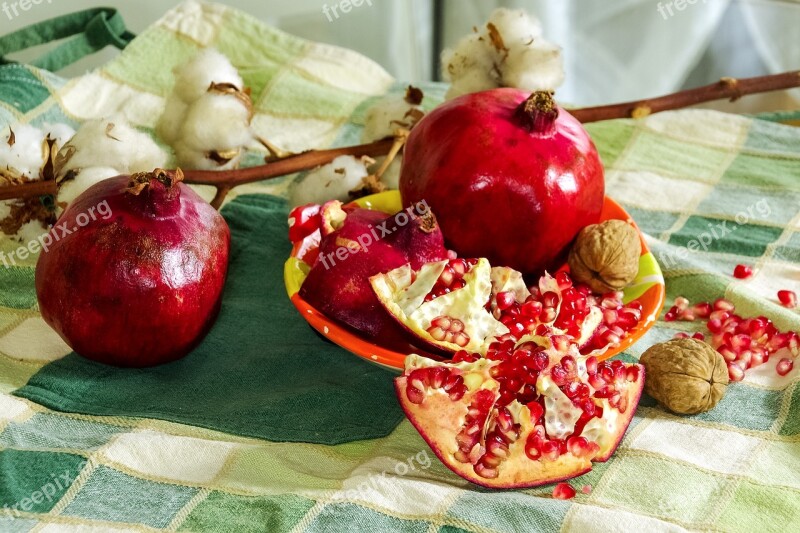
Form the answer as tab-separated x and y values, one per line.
539	311
451	278
744	343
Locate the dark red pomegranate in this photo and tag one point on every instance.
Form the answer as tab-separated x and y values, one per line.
136	269
510	175
358	243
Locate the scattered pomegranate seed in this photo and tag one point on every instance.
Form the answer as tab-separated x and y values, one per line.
563	491
788	299
742	272
586	489
699	336
735	372
785	366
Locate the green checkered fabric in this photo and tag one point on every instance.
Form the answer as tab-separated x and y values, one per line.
710	190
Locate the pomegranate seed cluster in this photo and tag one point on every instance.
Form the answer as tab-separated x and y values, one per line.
744	343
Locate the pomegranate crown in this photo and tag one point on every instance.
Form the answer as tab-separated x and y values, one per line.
538	113
141	180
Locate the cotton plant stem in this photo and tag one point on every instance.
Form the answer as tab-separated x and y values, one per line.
726	88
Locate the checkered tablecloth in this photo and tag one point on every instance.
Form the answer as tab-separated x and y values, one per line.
709	189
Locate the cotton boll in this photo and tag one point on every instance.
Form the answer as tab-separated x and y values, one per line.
171	121
193	79
509	51
548	73
388	114
473	82
333	181
60	133
190	157
515	25
30	231
26	157
216	122
471	53
112	143
71	189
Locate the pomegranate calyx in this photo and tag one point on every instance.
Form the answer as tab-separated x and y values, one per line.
142	180
538	113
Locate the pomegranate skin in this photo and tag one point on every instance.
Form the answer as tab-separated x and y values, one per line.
142	286
501	188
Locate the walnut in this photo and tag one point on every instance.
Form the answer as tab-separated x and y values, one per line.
687	376
605	256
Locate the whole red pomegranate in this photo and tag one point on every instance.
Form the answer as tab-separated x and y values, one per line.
134	272
510	175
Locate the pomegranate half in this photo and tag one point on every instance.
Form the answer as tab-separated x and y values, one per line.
528	414
511	176
136	270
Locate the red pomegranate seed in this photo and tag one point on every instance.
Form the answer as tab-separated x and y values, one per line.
564	281
788	299
536	410
591	365
735	372
721	304
784	366
586	489
563	491
671	315
699	336
702	309
446	329
742	272
681	335
463	356
505	300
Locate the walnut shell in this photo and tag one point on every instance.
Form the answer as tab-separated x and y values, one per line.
605	256
687	376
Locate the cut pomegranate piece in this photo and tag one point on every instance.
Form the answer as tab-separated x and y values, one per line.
563	491
788	299
742	272
453	318
528	414
303	221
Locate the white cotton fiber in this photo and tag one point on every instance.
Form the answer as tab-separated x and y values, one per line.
71	189
26	157
209	66
171	121
61	133
388	114
197	122
113	143
509	51
333	181
216	121
30	231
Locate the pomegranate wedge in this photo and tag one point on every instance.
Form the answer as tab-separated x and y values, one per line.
530	413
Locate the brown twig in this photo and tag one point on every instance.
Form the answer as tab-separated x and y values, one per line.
224	181
730	88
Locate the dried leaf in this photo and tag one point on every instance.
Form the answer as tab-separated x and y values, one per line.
496	38
12	139
369	185
224	157
414	95
62	158
50	150
109	127
242	95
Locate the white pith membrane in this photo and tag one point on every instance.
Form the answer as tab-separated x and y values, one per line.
403	292
445	409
